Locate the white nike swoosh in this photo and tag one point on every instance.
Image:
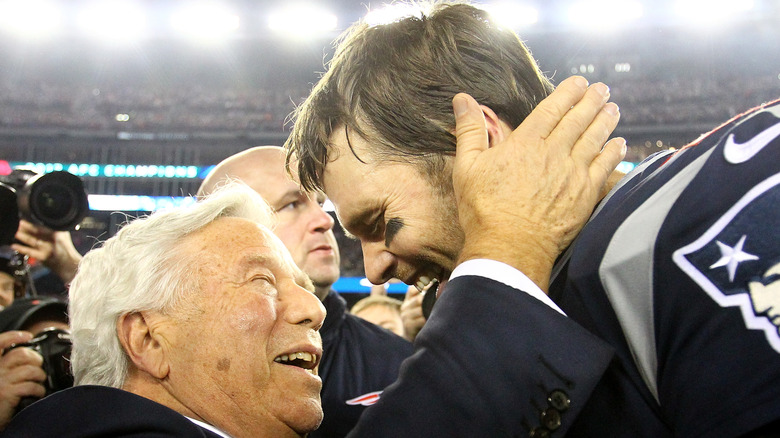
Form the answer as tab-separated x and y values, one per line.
737	153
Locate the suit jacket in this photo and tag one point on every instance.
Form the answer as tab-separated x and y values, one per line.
359	360
101	412
491	361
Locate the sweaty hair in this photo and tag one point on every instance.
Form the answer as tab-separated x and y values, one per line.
393	84
142	268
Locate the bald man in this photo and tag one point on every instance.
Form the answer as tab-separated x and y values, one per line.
360	359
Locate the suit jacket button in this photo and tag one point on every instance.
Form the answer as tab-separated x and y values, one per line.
559	400
551	419
539	432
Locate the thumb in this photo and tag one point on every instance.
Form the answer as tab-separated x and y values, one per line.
470	128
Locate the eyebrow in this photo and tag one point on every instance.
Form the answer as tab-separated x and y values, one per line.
358	221
249	263
392	228
286	198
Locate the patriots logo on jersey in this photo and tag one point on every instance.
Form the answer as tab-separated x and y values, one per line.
737	260
365	399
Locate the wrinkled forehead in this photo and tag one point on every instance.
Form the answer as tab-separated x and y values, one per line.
230	244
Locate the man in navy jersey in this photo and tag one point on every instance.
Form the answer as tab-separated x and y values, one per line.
675	273
360	359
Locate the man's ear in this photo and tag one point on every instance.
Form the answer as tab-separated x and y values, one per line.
142	345
497	129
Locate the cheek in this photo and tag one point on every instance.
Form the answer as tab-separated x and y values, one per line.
252	317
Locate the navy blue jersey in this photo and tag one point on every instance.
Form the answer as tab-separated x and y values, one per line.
679	271
359	360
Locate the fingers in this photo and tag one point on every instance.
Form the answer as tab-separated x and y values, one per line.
29	388
604	164
19	357
14	337
470	128
582	116
591	142
24	373
546	116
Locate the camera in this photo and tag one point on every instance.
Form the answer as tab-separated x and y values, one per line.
56	200
54	345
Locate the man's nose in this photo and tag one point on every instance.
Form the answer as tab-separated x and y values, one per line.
321	220
303	307
379	263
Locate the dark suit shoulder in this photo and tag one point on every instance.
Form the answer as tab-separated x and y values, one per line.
97	411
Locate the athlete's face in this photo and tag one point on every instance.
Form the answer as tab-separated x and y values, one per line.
408	229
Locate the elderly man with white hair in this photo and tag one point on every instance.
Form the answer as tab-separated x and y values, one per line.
191	322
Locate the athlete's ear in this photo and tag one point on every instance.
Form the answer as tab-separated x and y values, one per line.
496	127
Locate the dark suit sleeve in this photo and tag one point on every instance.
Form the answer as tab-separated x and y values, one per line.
491	361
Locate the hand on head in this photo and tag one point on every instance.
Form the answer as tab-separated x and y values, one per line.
541	183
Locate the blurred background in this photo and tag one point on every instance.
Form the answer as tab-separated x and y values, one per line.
140	98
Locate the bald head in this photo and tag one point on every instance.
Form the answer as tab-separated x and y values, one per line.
258	167
302	225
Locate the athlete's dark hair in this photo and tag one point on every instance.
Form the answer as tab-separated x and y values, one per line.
393	85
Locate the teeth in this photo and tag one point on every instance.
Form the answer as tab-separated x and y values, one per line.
308	357
422	282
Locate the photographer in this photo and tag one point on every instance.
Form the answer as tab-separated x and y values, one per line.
22	375
37	211
54	249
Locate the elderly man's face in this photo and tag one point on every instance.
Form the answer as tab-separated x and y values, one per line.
245	348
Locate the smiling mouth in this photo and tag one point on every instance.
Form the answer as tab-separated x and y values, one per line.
300	359
430	280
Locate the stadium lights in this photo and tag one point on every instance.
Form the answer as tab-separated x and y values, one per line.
708	12
512	15
30	18
302	21
604	14
207	22
113	21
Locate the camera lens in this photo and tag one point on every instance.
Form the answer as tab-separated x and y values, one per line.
56	200
53	203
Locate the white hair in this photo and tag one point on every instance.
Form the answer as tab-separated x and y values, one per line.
142	268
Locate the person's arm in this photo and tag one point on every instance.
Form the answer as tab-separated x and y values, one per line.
492	360
489	361
54	249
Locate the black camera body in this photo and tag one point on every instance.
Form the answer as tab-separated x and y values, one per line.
55	346
56	200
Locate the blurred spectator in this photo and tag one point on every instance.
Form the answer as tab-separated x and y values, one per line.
382	311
